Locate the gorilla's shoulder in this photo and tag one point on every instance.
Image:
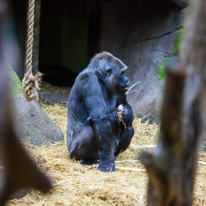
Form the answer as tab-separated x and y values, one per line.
86	76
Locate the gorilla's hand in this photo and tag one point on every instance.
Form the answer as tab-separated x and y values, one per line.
125	114
122	113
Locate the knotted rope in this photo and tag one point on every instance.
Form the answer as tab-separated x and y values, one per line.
30	82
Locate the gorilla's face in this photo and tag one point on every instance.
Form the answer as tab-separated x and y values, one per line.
111	71
115	79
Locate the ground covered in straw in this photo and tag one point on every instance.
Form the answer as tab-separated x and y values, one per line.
76	184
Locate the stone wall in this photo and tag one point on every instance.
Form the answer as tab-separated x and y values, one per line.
143	35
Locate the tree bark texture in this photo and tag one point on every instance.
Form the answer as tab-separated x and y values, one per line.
172	165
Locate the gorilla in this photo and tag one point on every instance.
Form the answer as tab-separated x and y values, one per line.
96	102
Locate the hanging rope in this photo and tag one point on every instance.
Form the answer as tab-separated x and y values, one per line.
30	82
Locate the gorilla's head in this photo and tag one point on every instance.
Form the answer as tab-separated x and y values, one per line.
111	71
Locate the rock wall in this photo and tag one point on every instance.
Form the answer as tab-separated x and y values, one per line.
143	35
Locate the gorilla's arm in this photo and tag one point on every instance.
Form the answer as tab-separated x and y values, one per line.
126	130
99	120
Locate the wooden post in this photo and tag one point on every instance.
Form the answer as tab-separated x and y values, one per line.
37	12
94	28
172	165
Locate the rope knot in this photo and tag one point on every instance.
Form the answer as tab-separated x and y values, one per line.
31	85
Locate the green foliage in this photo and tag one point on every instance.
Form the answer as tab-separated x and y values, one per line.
16	85
177	47
161	70
178	41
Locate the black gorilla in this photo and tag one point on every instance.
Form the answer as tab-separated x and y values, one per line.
97	97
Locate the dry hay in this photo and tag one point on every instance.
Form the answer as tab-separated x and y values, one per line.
45	86
76	184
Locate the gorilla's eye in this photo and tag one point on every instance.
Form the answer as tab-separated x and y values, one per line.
109	72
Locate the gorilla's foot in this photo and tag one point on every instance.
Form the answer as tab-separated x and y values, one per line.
106	166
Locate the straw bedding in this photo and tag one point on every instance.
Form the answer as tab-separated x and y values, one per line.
77	184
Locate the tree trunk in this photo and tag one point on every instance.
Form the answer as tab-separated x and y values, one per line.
172	166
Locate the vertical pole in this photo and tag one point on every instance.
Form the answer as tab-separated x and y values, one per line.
37	15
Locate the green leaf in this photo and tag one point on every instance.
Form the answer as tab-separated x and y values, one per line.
178	42
161	70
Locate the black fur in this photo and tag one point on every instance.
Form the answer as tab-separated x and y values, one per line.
93	131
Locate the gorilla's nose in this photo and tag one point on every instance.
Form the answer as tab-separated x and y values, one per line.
126	81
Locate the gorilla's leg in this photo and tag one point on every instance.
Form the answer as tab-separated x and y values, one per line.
83	145
124	140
